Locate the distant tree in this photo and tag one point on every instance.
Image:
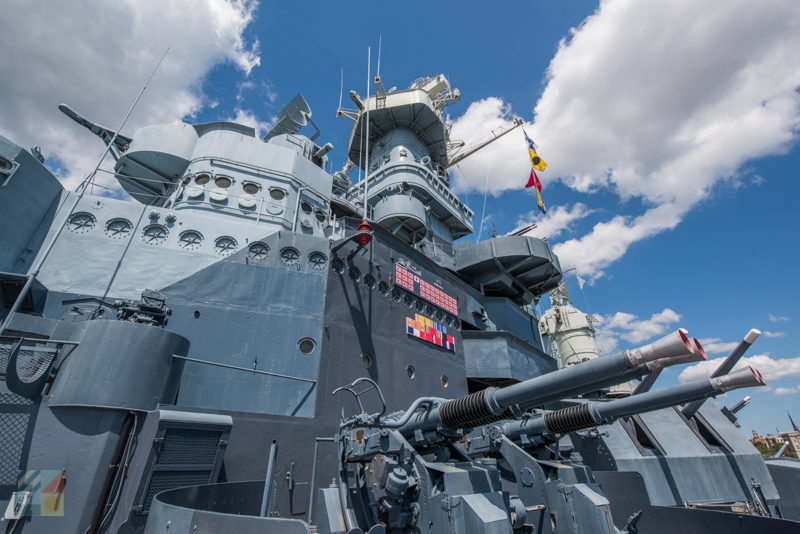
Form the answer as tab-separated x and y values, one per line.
767	451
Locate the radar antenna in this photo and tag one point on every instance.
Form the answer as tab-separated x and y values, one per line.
293	116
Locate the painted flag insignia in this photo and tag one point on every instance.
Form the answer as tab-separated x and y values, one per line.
426	329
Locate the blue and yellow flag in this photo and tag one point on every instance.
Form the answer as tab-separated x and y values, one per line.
538	163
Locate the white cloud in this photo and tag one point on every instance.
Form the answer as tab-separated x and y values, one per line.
607	341
714	345
774	334
658	102
95	56
787	391
770	368
248	118
556	221
628	327
778	318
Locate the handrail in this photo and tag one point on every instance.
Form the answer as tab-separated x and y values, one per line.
237	368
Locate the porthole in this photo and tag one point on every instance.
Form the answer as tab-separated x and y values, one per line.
445	381
223	182
190	239
306	345
225	245
258	251
81	222
408	300
155	234
420	306
355	273
337	265
383	288
369	281
118	228
397	295
202	179
290	256
437	316
428	310
317	260
277	194
366	360
320	215
306	207
250	188
411	372
5	164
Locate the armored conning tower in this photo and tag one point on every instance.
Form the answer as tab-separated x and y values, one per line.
406	140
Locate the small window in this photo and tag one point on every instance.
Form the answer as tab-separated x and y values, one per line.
320	215
306	345
250	188
366	360
411	372
5	164
202	179
223	182
306	207
277	194
445	381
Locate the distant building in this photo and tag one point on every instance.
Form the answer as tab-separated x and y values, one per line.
793	438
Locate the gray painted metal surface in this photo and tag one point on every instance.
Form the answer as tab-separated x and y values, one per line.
276	301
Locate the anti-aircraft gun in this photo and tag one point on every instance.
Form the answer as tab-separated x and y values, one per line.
484	463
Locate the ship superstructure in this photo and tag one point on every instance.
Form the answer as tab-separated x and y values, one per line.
193	338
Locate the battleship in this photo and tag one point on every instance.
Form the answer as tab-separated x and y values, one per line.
252	344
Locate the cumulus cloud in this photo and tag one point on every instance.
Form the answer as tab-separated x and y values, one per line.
770	368
655	102
774	334
556	221
248	118
778	318
787	391
628	327
95	56
714	345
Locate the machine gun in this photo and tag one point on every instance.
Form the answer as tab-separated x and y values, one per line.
466	465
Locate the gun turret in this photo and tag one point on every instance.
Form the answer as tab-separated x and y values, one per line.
495	404
590	414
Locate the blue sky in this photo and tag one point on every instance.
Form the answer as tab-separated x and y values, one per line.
670	129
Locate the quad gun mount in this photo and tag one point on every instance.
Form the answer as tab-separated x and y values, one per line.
486	462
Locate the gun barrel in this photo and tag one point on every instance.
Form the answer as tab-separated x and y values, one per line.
725	367
493	404
639	371
592	414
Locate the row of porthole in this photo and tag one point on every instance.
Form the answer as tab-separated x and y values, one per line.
411	372
396	294
224	182
156	234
